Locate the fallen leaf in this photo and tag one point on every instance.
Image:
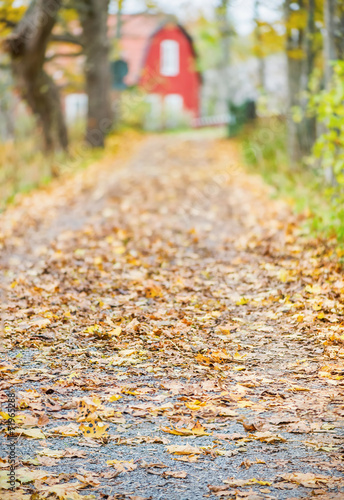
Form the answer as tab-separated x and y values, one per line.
183	450
175	474
94	429
122	465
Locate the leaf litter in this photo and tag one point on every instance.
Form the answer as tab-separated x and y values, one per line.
183	336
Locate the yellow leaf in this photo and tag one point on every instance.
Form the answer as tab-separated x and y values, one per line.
65	491
242	302
153	291
66	430
14	495
298	388
183	450
196	430
195	405
268	437
307	480
4	480
46	452
257	481
94	429
31	433
24	475
122	465
119	250
115	397
116	332
246	482
199	430
238	356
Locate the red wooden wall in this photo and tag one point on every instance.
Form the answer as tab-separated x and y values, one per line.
187	83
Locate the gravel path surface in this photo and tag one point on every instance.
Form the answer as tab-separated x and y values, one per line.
170	334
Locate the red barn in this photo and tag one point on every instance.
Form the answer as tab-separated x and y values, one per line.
161	60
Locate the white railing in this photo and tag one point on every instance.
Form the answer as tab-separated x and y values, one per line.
209	121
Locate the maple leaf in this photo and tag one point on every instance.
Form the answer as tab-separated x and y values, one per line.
115	397
18	494
31	433
268	437
52	453
307	480
65	491
196	430
242	302
122	465
94	429
175	474
183	450
66	430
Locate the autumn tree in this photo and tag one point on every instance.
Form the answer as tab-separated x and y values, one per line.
93	15
225	32
26	46
259	44
333	36
302	49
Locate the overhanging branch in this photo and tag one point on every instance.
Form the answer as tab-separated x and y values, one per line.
66	38
56	56
7	22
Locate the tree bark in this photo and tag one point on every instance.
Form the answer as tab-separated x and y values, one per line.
259	42
93	16
27	48
294	43
340	37
330	55
308	124
226	42
329	39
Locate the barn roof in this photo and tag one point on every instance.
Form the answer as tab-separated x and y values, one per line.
137	31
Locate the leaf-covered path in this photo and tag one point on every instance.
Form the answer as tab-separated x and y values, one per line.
169	334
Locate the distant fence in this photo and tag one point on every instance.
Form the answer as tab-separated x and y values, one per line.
210	121
238	116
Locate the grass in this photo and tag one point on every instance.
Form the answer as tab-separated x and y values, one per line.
25	167
265	152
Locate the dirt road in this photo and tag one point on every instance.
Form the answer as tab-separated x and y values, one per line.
170	334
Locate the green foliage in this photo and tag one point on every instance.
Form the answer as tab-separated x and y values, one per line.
264	149
24	167
133	108
207	39
328	107
328	151
265	153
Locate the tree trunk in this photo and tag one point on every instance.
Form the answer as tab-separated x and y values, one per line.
330	55
294	44
329	39
27	47
308	124
93	17
225	39
340	32
259	42
340	43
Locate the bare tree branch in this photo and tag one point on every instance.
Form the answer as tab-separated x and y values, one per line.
66	38
57	55
7	22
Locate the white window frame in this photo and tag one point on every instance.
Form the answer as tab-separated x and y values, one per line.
169	58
